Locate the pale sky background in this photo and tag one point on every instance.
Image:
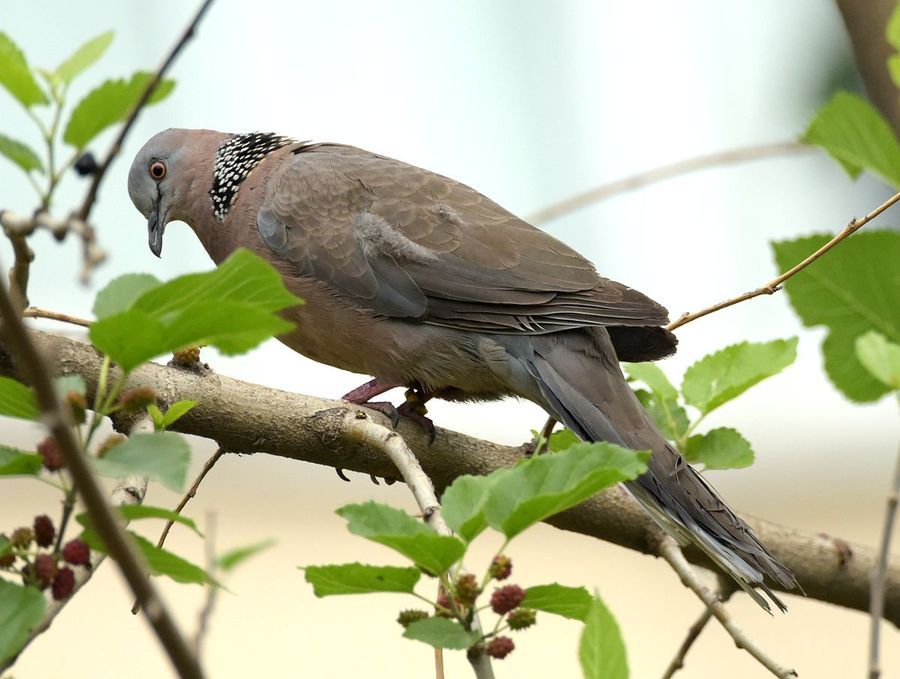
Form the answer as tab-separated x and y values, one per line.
528	102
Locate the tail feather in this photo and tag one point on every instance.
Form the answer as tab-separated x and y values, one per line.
580	380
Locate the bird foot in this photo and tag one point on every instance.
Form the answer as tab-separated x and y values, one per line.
414	408
385	408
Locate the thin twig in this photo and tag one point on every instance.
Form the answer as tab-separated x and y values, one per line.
114	149
879	574
658	174
107	524
35	312
774	285
363	428
212	591
671	552
188	496
129	491
438	663
726	589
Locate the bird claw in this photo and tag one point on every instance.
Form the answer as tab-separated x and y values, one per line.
416	412
385	408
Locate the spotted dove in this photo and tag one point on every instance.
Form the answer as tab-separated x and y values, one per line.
421	281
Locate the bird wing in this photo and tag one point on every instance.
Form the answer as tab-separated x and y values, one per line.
412	244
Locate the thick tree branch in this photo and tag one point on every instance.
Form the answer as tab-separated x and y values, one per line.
248	418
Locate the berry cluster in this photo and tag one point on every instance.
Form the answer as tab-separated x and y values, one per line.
460	604
28	552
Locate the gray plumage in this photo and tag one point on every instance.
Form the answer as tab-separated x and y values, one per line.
417	279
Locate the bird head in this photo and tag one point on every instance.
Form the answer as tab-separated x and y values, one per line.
166	179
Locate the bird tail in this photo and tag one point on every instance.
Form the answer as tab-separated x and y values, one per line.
596	403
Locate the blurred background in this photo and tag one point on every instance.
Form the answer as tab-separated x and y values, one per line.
529	103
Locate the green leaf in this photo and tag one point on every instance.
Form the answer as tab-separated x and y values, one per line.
15	462
21	154
359	578
232	308
441	633
669	416
569	602
602	651
651	375
159	561
718	378
21	609
880	357
231	559
176	411
15	75
721	448
850	291
462	505
548	484
69	383
893	64
83	58
562	439
396	529
161	456
122	292
17	400
892	30
855	134
108	104
135	512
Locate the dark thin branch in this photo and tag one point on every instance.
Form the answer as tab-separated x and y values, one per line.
114	149
658	174
774	285
34	312
32	365
212	591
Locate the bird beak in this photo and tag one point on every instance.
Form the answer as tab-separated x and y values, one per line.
155	229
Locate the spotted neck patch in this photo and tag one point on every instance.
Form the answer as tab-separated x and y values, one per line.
234	161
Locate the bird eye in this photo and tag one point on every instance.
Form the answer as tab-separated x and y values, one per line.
157	169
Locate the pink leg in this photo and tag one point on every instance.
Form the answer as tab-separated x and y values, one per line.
368	391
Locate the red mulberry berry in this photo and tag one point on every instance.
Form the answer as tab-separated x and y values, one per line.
44	532
501	567
52	456
506	598
63	583
44	570
467	589
500	647
77	553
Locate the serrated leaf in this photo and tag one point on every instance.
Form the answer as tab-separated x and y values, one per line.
462	505
721	448
122	292
548	484
176	411
893	65
602	650
21	154
69	383
83	58
853	132
161	456
358	578
726	374
16	76
17	400
232	308
231	559
108	104
850	291
892	29
15	462
159	561
441	633
880	357
21	608
651	375
156	415
569	602
396	529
